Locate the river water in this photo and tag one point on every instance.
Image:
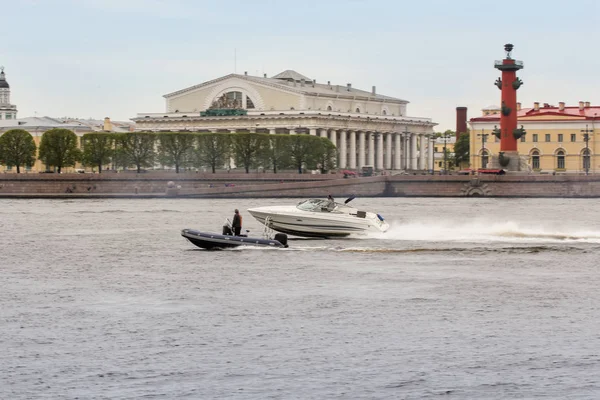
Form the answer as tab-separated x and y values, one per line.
461	299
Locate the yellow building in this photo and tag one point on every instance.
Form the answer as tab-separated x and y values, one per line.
36	126
558	139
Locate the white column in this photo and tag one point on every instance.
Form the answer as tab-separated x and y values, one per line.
361	149
413	152
430	148
422	152
352	150
397	151
371	155
379	137
388	150
272	131
292	131
343	150
333	137
313	131
323	133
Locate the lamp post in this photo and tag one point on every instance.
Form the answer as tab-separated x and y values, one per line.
586	158
483	140
446	136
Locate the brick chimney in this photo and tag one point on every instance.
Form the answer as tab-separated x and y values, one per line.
561	106
461	121
536	106
374	91
349	86
587	104
518	106
107	125
581	105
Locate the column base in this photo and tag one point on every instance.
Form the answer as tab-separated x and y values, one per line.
511	161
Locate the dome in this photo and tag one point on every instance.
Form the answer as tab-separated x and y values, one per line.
3	83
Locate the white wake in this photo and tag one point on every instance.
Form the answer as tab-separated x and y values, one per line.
482	231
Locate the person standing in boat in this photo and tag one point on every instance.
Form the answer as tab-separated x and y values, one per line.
236	224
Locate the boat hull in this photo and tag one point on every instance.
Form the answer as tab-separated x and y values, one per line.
215	241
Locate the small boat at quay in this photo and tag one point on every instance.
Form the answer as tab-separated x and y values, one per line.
226	240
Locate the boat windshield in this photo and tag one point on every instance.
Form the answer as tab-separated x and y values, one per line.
316	205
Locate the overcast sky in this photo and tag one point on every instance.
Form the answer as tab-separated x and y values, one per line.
116	58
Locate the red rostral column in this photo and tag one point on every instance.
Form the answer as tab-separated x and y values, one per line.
509	84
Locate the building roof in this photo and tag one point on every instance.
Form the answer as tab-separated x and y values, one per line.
290	75
288	82
39	122
573	113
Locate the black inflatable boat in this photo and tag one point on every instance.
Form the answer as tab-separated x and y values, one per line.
207	240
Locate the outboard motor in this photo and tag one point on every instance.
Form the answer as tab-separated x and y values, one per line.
227	230
281	238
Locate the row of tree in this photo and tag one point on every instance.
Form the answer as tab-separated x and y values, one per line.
59	148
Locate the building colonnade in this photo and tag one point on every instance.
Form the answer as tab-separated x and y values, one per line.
381	150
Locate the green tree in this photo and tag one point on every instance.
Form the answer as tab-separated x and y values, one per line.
461	149
302	151
277	151
175	148
58	148
212	149
325	154
17	148
98	148
138	149
248	149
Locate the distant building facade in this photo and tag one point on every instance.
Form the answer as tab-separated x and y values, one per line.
36	126
369	129
558	138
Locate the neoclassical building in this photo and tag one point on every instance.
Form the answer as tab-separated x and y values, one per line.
558	138
7	110
367	128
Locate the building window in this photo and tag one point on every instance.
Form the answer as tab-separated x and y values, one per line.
329	108
560	138
484	159
573	137
496	139
535	137
560	160
535	160
8	116
435	150
586	160
523	138
249	103
384	112
547	137
357	110
9	167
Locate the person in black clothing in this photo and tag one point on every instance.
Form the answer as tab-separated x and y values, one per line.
236	224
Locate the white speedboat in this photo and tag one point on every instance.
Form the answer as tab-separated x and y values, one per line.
320	218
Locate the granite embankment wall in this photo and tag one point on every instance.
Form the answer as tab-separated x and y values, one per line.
292	185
